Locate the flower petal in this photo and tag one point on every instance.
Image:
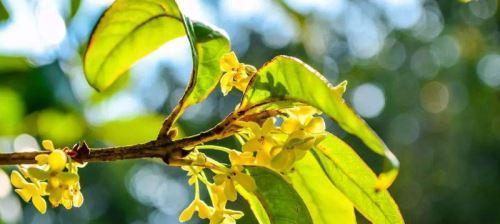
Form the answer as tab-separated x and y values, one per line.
42	159
78	199
203	210
226	83
57	160
246	181
229	61
252	145
55	197
283	160
67	204
290	125
25	194
37	173
230	191
40	204
48	145
68	178
315	125
17	179
187	213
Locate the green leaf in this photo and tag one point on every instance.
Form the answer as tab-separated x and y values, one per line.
324	201
289	79
355	180
131	29
4	14
75	5
275	201
207	45
128	31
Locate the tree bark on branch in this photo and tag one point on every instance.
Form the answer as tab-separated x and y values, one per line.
165	149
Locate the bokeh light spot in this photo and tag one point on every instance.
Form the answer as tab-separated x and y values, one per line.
405	129
434	97
25	143
5	187
10	209
368	100
488	69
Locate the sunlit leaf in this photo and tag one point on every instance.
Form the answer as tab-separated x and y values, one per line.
275	200
324	201
355	180
289	79
129	30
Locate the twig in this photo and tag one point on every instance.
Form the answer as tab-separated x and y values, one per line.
153	149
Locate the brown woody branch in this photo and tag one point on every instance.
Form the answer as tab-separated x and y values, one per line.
166	150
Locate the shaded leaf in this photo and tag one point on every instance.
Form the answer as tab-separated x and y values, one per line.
208	46
355	180
275	201
289	79
324	201
75	5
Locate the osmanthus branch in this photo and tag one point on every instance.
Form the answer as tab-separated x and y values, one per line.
166	150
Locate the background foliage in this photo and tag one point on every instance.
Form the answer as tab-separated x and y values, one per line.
424	74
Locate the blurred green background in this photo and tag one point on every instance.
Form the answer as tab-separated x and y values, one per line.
425	74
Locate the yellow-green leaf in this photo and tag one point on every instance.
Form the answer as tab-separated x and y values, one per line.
326	204
208	45
289	79
275	201
355	180
129	30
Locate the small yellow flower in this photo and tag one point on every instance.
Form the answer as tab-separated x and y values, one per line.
241	158
48	145
63	186
235	176
303	131
57	160
29	191
261	140
302	113
225	216
53	176
204	211
235	74
192	172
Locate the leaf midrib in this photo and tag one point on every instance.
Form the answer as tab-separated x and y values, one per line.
352	181
309	190
101	66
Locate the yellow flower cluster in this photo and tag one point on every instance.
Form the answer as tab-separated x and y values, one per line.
235	74
222	190
265	144
55	176
279	147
